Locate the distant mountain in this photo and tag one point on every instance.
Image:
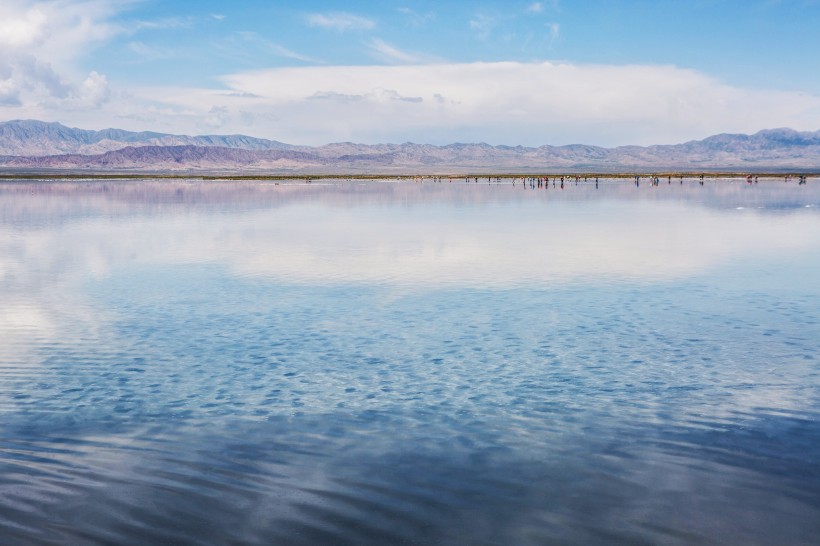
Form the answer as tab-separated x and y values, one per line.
35	145
39	138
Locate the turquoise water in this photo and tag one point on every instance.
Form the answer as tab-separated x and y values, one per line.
409	363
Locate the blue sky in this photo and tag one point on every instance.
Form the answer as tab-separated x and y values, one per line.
550	72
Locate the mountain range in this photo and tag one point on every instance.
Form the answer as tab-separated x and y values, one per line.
31	145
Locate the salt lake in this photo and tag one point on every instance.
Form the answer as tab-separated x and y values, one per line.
406	362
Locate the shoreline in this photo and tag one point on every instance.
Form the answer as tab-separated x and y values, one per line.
675	175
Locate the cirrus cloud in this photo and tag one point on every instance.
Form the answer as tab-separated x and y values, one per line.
340	21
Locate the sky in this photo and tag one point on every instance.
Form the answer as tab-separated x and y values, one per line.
606	72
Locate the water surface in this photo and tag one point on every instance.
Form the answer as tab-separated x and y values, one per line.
397	362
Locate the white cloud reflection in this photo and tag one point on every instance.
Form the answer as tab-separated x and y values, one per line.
478	250
518	243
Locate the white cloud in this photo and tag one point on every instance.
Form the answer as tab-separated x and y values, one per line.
387	52
94	90
505	102
39	45
340	21
415	18
482	24
282	51
217	117
21	29
164	24
535	7
148	52
249	45
555	31
500	103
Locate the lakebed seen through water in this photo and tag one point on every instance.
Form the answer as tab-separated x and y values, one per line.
396	362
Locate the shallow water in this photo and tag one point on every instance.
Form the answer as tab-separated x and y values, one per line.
397	362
